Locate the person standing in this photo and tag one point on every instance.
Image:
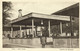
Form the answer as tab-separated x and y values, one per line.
9	36
43	38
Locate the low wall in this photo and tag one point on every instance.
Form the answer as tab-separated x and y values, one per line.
66	42
58	42
35	42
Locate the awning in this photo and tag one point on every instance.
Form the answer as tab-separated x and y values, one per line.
26	19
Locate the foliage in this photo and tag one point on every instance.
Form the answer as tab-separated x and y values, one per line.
7	7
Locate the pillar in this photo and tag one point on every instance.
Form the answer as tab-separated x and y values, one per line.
61	27
25	31
49	27
32	27
36	31
11	32
71	25
20	31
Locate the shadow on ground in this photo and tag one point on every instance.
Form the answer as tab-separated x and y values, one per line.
49	43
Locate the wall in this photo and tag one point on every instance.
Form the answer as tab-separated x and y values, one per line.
66	43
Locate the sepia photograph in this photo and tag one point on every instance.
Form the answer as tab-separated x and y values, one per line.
38	24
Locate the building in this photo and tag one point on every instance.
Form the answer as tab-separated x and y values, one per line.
26	26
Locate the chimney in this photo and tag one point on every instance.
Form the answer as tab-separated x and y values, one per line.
20	13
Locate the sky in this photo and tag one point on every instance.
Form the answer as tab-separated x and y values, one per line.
39	6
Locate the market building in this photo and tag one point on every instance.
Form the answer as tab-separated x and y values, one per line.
27	26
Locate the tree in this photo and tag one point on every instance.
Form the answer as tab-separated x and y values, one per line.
7	6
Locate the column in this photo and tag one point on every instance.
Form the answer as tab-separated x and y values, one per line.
61	27
11	32
20	32
71	25
32	27
49	27
36	31
25	31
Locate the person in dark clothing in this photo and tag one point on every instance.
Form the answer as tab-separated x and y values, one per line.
43	38
9	36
